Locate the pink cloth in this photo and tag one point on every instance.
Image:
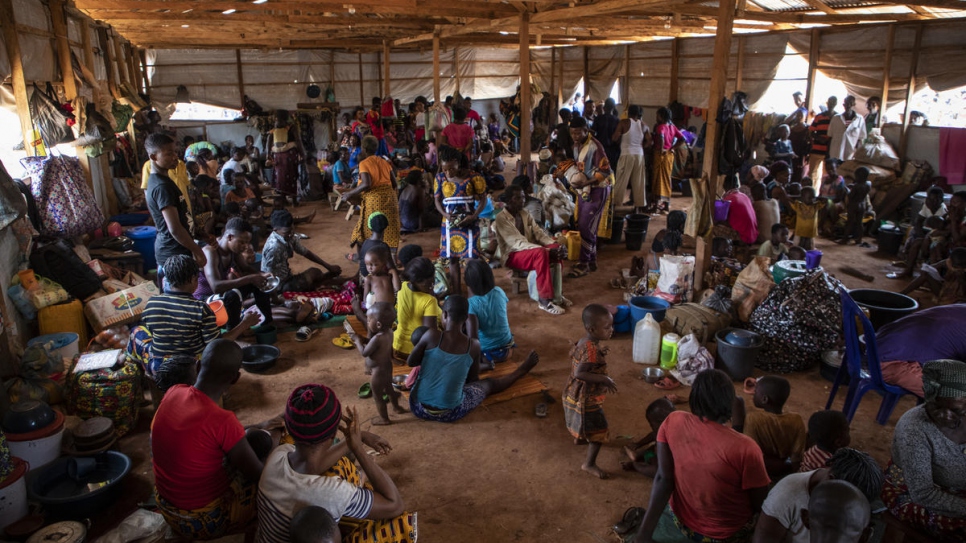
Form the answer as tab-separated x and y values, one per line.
669	131
741	216
458	135
904	373
952	159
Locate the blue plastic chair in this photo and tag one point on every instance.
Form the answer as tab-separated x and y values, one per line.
862	380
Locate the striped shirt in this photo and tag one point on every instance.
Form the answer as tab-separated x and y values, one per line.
179	324
819	130
282	492
814	458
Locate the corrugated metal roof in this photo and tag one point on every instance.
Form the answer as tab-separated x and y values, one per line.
801	5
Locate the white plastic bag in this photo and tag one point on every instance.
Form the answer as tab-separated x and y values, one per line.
677	278
693	358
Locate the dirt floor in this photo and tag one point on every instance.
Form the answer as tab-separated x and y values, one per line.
502	474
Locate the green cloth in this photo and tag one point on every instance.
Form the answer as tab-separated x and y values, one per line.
944	379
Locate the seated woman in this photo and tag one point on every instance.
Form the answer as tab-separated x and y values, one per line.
316	471
711	480
925	482
742	222
488	321
902	354
524	246
448	385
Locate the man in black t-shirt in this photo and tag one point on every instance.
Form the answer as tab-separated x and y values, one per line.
562	132
167	204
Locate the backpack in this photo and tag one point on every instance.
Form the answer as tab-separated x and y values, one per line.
692	318
58	262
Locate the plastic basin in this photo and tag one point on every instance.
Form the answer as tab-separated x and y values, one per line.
884	306
67	498
642	305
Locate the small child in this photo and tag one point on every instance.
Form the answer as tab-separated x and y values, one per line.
411	201
806	211
777	247
415	305
828	431
946	279
382	282
857	205
378	352
378	223
583	397
407	253
767	211
640	455
241	192
781	436
313	524
783	146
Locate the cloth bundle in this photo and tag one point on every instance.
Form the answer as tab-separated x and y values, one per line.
800	318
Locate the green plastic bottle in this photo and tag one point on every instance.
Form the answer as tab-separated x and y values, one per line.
669	351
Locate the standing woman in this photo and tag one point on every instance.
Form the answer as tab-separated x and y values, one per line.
285	150
458	134
459	194
666	136
925	481
377	189
634	136
594	212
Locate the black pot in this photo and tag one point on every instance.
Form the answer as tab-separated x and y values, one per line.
884	306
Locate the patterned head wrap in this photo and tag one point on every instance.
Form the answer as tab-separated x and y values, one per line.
944	379
312	414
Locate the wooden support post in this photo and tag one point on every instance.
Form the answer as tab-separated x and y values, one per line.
815	41
456	67
626	85
675	61
886	74
553	80
58	21
241	78
525	87
12	43
910	92
436	96
362	87
86	45
719	80
146	83
133	69
739	70
586	88
108	58
122	77
332	68
386	86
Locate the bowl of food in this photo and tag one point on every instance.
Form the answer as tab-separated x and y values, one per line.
652	374
271	284
399	382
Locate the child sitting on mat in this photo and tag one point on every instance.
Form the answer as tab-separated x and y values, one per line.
828	431
781	436
488	321
640	455
377	350
415	305
583	397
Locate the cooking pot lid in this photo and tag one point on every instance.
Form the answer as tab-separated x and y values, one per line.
93	429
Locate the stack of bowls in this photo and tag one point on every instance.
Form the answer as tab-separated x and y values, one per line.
93	436
34	432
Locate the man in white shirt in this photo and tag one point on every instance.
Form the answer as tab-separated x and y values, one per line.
239	163
846	131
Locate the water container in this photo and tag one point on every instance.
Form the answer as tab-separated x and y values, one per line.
647	341
143	237
669	351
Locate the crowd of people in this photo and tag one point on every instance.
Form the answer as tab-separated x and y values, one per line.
721	472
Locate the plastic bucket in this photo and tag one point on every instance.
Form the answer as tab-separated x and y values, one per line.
143	238
884	306
265	334
813	259
616	230
738	360
13	495
634	239
221	314
637	221
721	208
64	345
642	305
38	452
890	239
622	319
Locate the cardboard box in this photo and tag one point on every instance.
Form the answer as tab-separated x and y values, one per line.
103	271
124	307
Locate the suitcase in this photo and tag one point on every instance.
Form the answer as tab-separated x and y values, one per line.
702	321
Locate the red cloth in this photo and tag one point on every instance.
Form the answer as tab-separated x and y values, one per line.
375	124
741	216
714	467
952	159
537	259
458	135
190	436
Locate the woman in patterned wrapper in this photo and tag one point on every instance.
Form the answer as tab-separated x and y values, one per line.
459	194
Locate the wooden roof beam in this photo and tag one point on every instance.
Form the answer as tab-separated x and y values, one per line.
440	8
821	6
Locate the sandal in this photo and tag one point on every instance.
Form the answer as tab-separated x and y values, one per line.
352	257
563	302
630	521
552	308
343	342
578	270
540	410
304	334
668	383
365	391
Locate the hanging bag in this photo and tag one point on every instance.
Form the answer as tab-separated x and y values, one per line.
12	203
65	201
50	117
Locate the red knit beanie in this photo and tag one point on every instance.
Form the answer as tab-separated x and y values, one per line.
312	414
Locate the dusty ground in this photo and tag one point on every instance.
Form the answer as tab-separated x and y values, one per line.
502	474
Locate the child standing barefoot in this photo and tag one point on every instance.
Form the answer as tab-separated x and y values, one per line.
378	353
583	397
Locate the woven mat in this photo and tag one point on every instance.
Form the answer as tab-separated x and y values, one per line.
524	386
